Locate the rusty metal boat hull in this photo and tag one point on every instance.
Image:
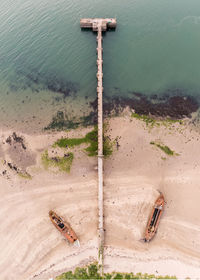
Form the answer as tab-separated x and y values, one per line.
64	228
154	219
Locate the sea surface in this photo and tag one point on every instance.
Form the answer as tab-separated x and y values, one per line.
48	64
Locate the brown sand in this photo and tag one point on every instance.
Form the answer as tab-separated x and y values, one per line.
31	248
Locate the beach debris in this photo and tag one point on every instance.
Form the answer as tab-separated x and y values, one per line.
154	219
64	228
12	166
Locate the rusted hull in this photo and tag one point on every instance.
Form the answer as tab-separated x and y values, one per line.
63	227
154	219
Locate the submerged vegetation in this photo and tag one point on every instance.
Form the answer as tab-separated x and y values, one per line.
164	148
152	122
61	121
62	163
92	272
38	81
91	139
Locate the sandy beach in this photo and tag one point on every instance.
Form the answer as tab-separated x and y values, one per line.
31	248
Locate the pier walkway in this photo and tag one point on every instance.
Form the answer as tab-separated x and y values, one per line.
98	25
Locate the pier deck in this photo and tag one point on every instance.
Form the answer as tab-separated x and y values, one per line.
99	25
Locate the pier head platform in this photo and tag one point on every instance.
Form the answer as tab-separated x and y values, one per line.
94	23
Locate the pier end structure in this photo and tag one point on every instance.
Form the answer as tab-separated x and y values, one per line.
93	23
100	25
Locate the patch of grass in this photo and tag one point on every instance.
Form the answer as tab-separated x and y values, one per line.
127	276
25	175
81	273
67	142
107	276
66	275
118	276
107	146
92	272
164	148
91	139
62	163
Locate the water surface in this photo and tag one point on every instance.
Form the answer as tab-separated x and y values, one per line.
154	49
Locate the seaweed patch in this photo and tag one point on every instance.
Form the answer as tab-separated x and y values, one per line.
175	107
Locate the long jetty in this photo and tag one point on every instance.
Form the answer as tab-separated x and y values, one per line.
100	25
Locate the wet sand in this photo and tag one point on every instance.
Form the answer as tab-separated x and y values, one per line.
31	248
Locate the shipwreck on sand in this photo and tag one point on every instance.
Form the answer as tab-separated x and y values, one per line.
64	228
154	219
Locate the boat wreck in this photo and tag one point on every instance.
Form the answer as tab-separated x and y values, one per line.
154	219
64	228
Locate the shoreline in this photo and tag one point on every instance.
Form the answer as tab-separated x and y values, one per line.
69	112
133	175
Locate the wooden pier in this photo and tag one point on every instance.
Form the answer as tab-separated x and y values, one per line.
99	25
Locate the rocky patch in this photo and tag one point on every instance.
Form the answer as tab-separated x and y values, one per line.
19	153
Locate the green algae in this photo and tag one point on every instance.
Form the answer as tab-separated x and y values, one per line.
91	139
164	148
153	122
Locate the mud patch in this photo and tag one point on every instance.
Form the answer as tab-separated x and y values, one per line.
19	153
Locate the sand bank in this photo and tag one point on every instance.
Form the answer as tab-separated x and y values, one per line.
31	248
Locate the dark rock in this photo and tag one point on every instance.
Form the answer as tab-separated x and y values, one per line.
9	140
18	139
56	159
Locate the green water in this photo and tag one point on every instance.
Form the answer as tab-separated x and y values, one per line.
155	48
